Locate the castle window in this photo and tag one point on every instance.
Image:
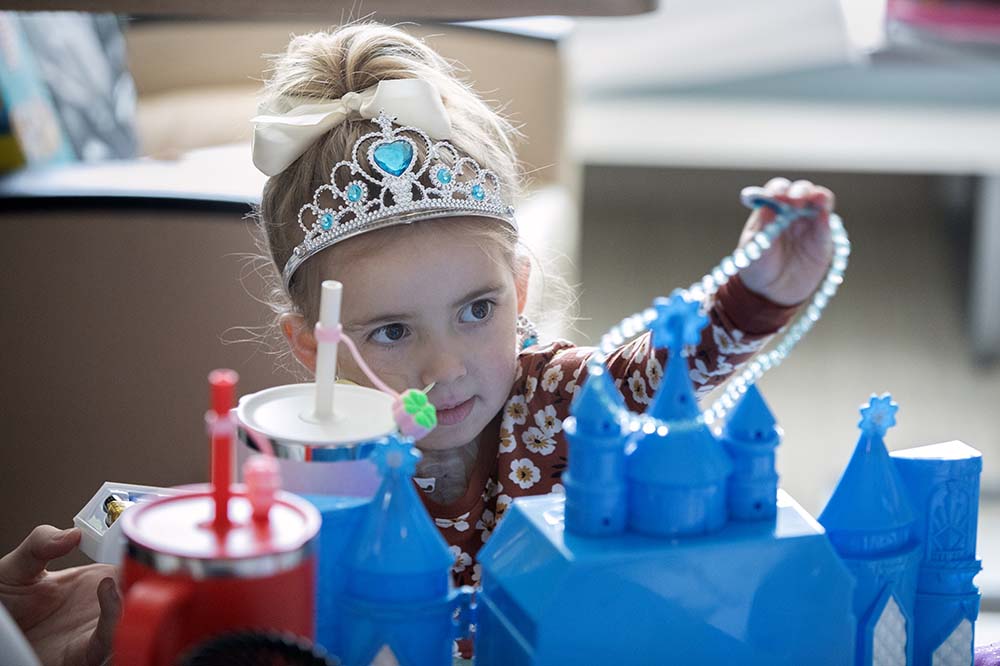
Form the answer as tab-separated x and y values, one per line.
889	640
956	649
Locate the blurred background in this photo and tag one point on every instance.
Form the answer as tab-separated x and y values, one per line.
128	185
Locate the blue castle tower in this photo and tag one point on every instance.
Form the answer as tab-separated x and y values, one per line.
595	481
398	596
750	436
677	472
942	481
870	522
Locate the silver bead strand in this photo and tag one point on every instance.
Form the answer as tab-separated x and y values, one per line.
709	285
737	386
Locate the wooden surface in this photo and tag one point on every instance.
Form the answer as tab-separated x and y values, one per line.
443	10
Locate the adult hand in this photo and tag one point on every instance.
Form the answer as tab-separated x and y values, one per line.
68	616
791	269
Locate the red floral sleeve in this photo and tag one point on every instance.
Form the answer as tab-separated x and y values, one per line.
740	324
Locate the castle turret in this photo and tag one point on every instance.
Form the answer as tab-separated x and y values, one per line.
942	481
677	471
870	521
750	437
595	475
398	596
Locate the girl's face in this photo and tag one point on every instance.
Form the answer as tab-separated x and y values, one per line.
433	306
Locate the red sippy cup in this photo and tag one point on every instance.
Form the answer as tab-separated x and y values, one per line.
217	559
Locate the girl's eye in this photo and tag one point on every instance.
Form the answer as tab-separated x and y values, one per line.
477	311
388	334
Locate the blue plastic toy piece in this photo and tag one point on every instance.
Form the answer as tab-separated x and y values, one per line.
942	482
679	322
870	522
398	593
677	472
753	594
889	582
750	437
341	519
595	476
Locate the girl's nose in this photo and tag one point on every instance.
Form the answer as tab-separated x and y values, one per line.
443	366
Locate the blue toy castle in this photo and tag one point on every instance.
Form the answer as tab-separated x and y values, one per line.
674	544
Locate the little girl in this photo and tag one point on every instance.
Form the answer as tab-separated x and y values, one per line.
418	225
390	175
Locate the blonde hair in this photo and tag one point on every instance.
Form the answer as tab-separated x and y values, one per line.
326	65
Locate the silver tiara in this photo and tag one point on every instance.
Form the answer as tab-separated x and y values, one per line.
414	179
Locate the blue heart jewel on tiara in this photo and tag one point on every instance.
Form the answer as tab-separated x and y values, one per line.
393	157
395	161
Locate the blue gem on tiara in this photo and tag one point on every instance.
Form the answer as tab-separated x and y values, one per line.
395	175
394	157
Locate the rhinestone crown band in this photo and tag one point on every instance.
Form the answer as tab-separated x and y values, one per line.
409	178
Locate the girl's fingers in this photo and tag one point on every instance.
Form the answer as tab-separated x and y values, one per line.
25	564
777	186
821	198
99	646
801	193
799	189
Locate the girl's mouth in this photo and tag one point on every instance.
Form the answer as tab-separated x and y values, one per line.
455	414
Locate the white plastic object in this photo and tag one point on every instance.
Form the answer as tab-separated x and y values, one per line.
326	352
345	478
107	544
284	414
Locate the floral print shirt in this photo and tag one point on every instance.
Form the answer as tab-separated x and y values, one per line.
524	451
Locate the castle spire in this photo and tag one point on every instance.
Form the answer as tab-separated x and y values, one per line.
870	522
677	471
750	437
595	475
869	512
598	407
397	571
678	324
751	421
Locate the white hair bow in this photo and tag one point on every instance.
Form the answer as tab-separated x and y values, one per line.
280	138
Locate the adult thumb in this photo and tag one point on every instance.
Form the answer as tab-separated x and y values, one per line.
99	646
26	563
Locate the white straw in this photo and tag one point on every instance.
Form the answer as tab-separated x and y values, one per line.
326	352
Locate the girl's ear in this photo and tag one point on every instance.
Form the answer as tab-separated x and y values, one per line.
521	276
300	339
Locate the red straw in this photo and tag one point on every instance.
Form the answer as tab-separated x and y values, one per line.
223	383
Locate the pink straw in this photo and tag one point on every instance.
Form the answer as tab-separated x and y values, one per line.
326	334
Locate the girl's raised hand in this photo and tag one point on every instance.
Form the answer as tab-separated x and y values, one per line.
791	269
68	616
